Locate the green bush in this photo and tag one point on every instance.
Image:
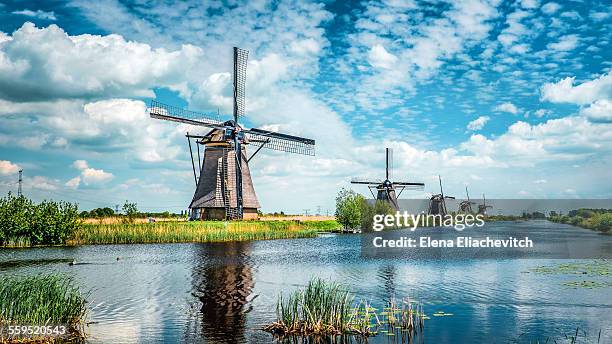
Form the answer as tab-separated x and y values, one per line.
349	206
47	223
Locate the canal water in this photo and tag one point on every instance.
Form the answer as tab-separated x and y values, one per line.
224	293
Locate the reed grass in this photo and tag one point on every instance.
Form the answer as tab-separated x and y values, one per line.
195	231
42	300
327	309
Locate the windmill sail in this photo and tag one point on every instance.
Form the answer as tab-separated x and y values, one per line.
240	64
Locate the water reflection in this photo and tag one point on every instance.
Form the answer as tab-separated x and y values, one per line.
223	282
387	275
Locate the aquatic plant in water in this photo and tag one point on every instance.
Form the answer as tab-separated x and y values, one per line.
327	309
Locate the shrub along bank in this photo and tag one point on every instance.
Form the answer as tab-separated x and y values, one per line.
25	223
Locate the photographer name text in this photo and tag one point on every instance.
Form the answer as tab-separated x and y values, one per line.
459	242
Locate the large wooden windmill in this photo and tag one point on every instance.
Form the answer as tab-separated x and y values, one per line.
224	189
437	203
385	189
465	206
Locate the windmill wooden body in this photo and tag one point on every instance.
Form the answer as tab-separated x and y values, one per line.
482	208
466	205
386	189
224	188
437	202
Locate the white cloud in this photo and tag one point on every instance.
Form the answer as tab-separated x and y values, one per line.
599	15
379	57
87	66
420	46
478	123
551	7
507	107
565	43
542	112
41	183
74	182
7	167
564	90
88	175
599	111
37	14
530	4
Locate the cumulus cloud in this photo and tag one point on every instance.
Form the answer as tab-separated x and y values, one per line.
88	175
478	123
599	111
37	14
507	107
86	66
7	167
564	90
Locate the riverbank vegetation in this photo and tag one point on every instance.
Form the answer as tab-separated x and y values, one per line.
595	219
197	231
328	309
43	300
353	211
25	223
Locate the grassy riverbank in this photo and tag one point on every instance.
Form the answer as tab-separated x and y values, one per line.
42	300
595	219
197	231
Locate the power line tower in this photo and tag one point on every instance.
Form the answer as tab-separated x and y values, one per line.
19	188
116	209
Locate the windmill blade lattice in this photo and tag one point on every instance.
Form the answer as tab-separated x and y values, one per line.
176	114
280	142
240	64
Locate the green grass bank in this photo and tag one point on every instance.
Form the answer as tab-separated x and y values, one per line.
197	231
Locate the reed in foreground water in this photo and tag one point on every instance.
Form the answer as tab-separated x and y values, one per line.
195	231
42	300
328	309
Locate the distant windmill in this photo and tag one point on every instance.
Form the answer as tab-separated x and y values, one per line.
466	206
224	189
482	208
437	203
385	189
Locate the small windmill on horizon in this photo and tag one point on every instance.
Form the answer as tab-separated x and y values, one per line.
482	208
224	188
465	206
385	189
437	202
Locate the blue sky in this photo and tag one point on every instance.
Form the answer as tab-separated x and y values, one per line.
513	99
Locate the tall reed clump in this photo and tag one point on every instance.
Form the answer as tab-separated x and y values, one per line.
321	308
327	309
195	231
25	223
42	300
